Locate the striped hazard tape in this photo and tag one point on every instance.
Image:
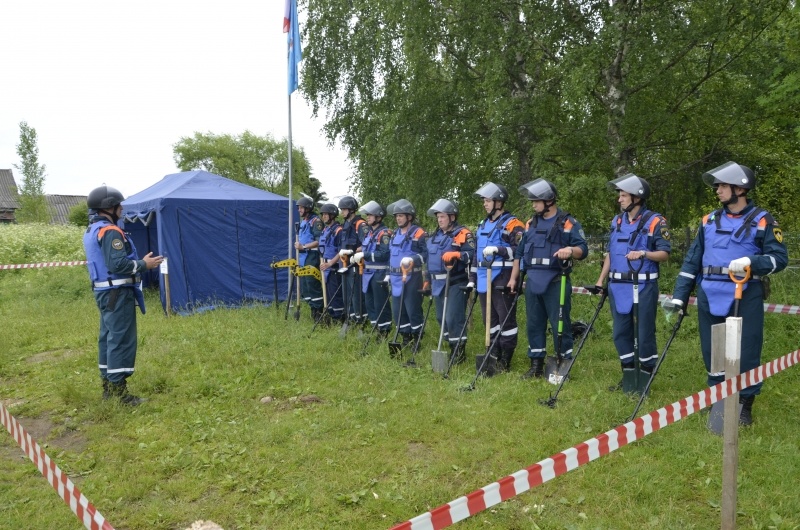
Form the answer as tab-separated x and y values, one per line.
583	453
68	491
42	265
768	308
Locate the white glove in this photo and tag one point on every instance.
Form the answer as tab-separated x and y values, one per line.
738	265
387	279
489	251
344	252
357	257
407	262
671	305
470	286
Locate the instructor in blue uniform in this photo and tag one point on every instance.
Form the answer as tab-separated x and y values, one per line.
738	235
114	270
552	237
638	242
307	246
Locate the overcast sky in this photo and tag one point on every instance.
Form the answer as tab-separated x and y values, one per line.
111	86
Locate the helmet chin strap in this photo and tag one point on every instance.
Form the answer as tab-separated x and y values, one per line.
547	206
734	196
633	205
112	213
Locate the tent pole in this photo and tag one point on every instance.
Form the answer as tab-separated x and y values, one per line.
291	210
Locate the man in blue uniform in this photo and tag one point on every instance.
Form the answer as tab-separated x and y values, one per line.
408	252
329	257
452	245
638	242
497	238
114	270
552	238
307	246
374	252
737	236
354	230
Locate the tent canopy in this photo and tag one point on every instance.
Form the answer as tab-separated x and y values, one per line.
219	237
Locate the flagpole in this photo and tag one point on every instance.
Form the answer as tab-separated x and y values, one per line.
291	210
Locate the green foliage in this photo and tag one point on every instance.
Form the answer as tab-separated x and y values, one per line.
33	205
434	100
35	243
79	215
258	161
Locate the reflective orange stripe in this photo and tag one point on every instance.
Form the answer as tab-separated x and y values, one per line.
656	220
762	223
514	223
567	225
105	229
461	236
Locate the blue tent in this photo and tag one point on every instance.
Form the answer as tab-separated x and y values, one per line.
219	237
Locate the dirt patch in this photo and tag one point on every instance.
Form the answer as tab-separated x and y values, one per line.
418	449
53	355
292	402
204	525
41	428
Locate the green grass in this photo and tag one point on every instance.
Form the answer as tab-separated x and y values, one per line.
353	442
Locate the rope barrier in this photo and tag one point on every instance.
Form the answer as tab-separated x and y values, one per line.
42	265
583	453
69	492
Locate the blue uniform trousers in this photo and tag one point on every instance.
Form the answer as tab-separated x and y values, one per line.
456	313
310	287
751	309
409	315
375	299
542	308
623	328
117	341
334	292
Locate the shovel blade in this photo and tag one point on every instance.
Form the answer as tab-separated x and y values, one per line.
343	330
439	361
629	381
716	418
644	378
556	369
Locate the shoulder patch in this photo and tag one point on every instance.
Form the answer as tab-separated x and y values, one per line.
318	225
117	244
385	239
778	234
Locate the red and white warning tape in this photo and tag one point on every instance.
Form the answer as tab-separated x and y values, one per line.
583	453
768	308
68	492
42	265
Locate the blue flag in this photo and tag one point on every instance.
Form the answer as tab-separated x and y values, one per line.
292	29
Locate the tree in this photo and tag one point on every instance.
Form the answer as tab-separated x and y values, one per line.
33	204
79	215
436	99
314	190
259	161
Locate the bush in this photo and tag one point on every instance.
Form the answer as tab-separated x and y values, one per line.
79	215
36	242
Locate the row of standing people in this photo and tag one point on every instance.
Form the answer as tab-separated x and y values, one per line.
736	236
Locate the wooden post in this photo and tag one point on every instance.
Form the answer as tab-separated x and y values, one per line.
715	416
730	437
164	269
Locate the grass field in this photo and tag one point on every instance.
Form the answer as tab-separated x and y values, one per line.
352	442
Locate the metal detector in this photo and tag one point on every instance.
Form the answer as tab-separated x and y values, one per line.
675	328
394	346
551	402
461	345
557	367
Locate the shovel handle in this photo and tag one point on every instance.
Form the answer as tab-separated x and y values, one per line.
739	282
405	270
636	269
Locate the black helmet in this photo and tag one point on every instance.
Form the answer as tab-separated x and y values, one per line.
493	191
104	198
539	190
402	206
348	203
329	208
731	173
630	183
306	202
443	206
373	208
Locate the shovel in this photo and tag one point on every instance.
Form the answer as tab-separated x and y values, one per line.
480	360
394	346
716	416
551	402
634	381
438	357
556	367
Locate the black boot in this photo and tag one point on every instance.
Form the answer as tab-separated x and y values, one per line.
383	334
505	360
106	389
746	416
536	370
457	355
120	390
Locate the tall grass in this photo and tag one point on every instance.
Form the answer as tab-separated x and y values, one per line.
352	442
